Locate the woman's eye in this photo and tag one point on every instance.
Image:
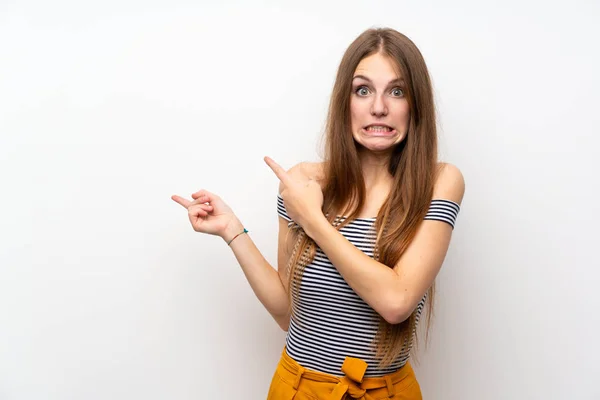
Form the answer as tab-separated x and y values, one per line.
398	92
362	91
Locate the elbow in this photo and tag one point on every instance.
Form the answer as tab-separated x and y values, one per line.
283	322
396	311
284	326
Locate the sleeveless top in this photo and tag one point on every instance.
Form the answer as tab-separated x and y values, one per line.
334	322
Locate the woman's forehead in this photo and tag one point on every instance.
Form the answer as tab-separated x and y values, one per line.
378	67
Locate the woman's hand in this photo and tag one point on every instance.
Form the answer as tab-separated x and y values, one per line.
208	213
303	197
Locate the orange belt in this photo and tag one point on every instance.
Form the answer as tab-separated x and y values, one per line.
352	383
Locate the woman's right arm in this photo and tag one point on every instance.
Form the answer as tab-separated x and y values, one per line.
270	286
273	296
209	214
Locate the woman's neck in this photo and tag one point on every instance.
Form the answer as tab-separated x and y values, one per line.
375	170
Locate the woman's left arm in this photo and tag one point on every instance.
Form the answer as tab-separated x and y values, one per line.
393	293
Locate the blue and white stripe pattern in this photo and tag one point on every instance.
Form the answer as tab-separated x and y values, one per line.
334	322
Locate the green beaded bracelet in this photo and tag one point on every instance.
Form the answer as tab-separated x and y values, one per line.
244	231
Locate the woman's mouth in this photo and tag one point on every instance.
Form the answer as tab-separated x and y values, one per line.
379	130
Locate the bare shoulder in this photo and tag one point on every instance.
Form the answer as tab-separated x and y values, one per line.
306	170
314	170
309	170
450	183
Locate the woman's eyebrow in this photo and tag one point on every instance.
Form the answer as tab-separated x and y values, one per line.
397	80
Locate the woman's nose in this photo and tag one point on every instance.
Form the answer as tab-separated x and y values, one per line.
378	107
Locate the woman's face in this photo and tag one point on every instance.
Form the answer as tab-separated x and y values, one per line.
379	110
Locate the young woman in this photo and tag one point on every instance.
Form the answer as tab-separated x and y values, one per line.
362	235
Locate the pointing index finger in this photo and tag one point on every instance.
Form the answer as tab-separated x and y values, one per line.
185	203
279	171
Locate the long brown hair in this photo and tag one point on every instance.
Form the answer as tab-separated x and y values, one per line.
412	165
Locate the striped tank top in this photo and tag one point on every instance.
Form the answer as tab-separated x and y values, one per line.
334	321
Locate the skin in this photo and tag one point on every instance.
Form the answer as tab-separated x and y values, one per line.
377	98
392	292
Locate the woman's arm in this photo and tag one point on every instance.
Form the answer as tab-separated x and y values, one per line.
393	293
266	283
209	214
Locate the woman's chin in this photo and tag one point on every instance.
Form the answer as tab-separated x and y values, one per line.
379	145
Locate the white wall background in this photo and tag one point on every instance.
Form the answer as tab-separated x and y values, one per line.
109	108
